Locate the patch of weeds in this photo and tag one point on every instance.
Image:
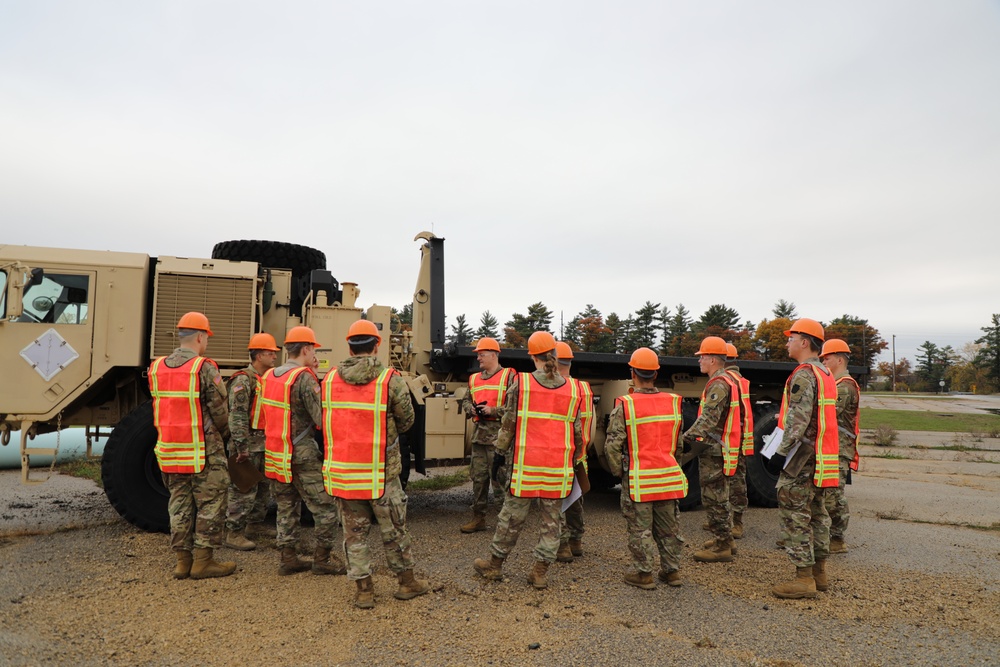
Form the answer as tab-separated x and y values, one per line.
84	467
887	455
440	482
884	436
892	515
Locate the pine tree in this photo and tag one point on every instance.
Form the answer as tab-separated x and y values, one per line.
461	333
487	327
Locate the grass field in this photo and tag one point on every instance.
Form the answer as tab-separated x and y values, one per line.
914	420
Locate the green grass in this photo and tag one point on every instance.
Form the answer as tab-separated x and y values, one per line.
86	468
920	420
886	455
439	482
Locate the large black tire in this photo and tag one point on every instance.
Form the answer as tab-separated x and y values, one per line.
131	475
762	473
299	259
689	410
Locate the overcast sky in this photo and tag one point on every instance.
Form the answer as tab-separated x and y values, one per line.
841	156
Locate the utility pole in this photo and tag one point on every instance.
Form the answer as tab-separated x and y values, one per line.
894	363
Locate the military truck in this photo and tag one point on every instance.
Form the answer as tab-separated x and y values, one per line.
78	329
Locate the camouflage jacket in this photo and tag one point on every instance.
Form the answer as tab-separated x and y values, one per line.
364	369
800	419
712	422
307	413
214	410
485	430
617	438
848	404
242	392
508	415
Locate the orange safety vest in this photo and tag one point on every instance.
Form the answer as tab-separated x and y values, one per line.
856	461
177	414
746	410
827	443
275	401
653	426
731	432
543	441
490	390
355	428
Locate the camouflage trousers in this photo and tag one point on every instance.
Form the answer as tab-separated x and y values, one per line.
306	487
738	486
480	466
652	527
836	503
249	507
715	496
511	520
197	507
389	512
572	521
805	521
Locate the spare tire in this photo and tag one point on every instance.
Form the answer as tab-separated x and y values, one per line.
689	411
299	259
132	479
762	473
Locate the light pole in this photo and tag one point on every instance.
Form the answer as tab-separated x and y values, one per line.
894	363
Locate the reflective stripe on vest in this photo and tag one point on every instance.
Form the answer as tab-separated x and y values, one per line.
177	415
490	390
731	430
827	445
856	461
586	416
276	413
354	428
543	443
746	411
652	426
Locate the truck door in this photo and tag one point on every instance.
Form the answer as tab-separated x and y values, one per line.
49	347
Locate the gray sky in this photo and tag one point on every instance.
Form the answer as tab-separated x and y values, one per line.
835	155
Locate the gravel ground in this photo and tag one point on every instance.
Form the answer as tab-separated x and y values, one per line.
92	590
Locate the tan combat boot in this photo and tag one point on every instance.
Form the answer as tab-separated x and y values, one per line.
235	539
837	545
491	569
576	547
262	529
536	577
410	587
205	567
710	544
325	563
565	554
720	551
290	563
642	580
183	569
819	575
670	578
803	586
477	524
738	525
364	597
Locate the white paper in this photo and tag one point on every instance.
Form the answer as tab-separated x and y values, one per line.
791	453
574	494
771	442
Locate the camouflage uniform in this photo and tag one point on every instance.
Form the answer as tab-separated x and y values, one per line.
515	510
389	511
572	521
249	507
197	501
652	526
738	482
714	482
484	440
848	403
307	475
802	505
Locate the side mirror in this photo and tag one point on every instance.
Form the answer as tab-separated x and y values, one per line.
35	278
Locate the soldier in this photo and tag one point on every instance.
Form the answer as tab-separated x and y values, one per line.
247	510
365	408
571	537
738	483
192	456
835	356
486	390
642	437
809	417
290	413
717	434
541	430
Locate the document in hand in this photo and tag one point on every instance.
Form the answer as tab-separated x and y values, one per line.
771	442
573	495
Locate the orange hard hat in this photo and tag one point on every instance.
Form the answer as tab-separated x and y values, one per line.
487	344
644	359
807	326
364	328
194	320
262	341
835	345
731	351
563	351
541	342
713	345
301	334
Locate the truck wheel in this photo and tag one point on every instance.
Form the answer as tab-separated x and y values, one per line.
131	475
689	411
762	473
299	259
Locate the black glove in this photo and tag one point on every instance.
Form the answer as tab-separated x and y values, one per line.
480	410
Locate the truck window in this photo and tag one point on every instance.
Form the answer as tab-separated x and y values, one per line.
59	299
3	294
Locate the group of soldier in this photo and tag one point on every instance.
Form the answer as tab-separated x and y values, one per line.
529	443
